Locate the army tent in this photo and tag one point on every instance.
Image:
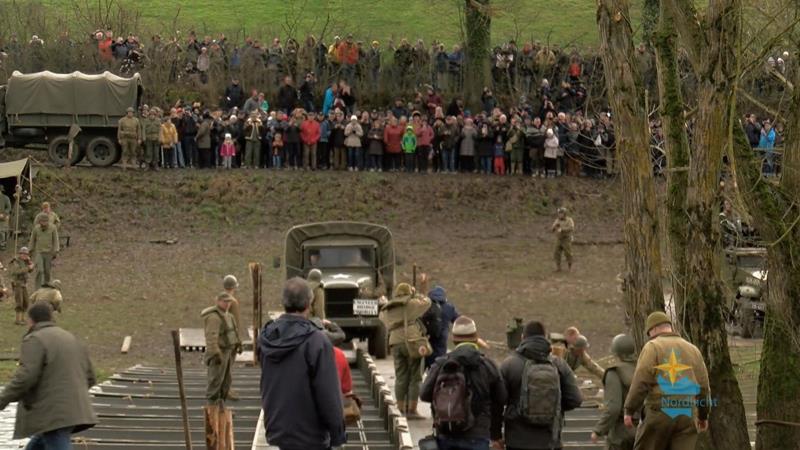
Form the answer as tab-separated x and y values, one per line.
13	174
381	235
75	94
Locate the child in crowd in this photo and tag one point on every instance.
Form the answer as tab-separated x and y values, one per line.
409	146
227	151
499	156
277	149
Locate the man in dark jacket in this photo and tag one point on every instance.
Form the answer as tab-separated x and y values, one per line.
287	96
753	130
234	94
484	384
300	391
51	384
519	434
444	313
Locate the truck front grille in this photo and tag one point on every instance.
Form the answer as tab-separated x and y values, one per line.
339	302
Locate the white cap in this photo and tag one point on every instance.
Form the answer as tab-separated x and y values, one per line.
227	135
353	117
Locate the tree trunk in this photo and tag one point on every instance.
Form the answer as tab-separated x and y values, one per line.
712	53
478	23
643	289
776	213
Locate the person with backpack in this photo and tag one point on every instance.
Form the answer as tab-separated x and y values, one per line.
616	382
466	393
438	320
541	388
408	343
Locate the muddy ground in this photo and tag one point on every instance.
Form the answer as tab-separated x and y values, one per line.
486	239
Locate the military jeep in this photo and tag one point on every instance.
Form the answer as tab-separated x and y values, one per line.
748	272
357	261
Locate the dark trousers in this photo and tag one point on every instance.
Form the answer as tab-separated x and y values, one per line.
293	154
189	146
323	155
205	158
422	157
52	440
448	443
409	161
394	161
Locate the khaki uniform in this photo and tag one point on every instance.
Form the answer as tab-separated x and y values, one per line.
152	145
236	311
52	217
222	342
616	382
407	368
129	135
44	246
659	431
564	229
574	361
48	294
5	220
318	306
19	271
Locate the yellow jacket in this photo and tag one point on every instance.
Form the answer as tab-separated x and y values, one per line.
168	134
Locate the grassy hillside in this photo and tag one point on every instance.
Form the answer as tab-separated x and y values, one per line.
561	21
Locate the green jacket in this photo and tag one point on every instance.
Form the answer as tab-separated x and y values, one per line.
152	128
220	330
5	209
19	271
409	143
48	294
51	383
616	381
406	307
44	241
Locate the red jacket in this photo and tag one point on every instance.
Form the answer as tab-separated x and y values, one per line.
424	134
309	132
104	48
392	136
343	367
348	54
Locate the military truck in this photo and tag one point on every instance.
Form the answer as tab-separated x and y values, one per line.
748	274
49	108
357	261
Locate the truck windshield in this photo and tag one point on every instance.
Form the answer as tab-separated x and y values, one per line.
332	257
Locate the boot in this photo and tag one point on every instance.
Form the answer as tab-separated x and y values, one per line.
232	396
412	412
401	405
18	319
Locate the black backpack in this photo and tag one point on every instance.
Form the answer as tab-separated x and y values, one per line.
432	319
452	399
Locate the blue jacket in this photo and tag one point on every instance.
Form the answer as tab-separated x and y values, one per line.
767	140
324	130
327	104
449	315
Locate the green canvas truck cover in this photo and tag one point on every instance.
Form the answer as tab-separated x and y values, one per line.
301	233
74	93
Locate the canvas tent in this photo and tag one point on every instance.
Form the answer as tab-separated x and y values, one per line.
13	174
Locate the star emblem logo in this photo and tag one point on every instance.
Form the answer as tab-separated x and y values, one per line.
673	368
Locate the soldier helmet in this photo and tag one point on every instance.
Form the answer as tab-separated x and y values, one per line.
55	284
403	289
24	251
581	342
230	282
655	319
315	275
224	296
130	109
622	345
562	210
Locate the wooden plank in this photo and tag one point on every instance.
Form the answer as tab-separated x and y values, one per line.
126	345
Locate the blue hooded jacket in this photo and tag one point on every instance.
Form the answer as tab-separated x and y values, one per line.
449	315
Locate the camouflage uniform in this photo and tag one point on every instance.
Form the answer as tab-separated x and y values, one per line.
129	135
564	229
5	216
222	343
19	271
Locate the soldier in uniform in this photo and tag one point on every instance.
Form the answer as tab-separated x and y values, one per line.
222	344
563	228
50	293
52	217
152	127
5	220
229	285
129	135
401	317
667	359
576	356
19	268
45	247
318	300
616	382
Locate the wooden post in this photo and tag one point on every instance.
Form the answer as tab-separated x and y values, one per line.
414	276
181	392
256	279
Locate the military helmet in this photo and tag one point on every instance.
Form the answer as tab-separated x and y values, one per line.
622	345
655	319
581	342
130	109
562	210
315	275
403	289
24	251
230	282
55	284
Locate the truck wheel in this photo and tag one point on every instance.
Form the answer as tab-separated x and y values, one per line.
59	149
102	152
377	343
747	320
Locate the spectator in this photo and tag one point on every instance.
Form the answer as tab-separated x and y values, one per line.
534	140
424	134
227	151
392	138
551	151
467	149
485	149
252	132
234	94
534	416
324	149
291	142
168	137
309	135
203	139
253	103
374	63
399	110
277	150
305	413
766	143
375	146
188	129
444	314
482	393
353	132
51	384
287	96
347	54
307	92
409	145
337	141
330	96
